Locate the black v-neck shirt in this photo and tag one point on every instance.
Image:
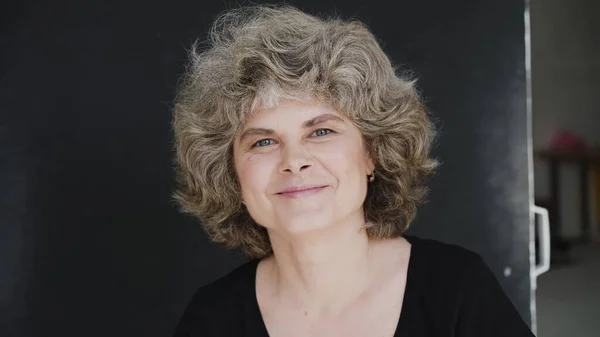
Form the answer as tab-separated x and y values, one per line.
449	292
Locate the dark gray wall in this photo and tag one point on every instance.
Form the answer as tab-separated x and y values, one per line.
90	242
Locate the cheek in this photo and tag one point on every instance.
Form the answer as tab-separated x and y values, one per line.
345	159
253	174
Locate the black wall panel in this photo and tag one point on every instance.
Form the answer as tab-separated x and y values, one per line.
90	241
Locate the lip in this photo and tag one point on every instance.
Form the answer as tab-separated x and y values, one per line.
301	191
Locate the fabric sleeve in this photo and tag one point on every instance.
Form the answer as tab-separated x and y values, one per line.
485	310
196	314
184	326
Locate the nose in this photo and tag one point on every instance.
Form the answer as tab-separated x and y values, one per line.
295	158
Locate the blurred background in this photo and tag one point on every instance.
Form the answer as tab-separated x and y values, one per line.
92	244
565	82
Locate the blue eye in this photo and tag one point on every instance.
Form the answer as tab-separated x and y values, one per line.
263	142
322	132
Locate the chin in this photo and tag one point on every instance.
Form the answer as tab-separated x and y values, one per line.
304	221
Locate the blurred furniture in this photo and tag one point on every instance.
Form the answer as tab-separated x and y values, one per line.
585	160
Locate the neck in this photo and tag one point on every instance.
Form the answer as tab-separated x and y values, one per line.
325	270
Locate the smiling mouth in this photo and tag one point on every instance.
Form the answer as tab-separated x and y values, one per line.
303	192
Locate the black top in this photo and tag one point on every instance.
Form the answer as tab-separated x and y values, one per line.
449	292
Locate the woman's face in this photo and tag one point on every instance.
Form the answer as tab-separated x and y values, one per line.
302	166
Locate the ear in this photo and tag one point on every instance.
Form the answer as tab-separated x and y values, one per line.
370	163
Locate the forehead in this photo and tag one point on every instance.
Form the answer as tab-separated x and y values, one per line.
290	112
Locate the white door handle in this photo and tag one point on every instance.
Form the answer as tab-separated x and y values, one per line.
543	228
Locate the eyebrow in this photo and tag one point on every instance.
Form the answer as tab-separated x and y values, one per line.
256	132
321	119
307	124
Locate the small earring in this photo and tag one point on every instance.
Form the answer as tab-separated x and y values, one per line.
371	177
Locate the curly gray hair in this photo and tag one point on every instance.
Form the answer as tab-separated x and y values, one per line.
257	56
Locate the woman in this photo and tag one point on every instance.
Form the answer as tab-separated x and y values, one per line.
298	144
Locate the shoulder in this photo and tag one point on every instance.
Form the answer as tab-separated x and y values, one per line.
216	304
232	285
225	290
441	271
453	289
435	257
